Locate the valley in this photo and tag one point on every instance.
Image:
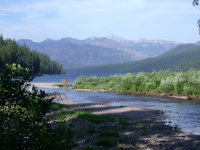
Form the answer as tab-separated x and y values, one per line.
73	53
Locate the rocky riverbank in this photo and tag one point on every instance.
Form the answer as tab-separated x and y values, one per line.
97	126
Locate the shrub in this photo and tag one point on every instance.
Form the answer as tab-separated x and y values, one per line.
187	83
66	83
22	114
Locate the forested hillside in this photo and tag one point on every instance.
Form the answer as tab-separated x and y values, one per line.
181	58
11	52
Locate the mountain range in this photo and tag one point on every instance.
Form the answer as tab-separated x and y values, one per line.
74	53
181	58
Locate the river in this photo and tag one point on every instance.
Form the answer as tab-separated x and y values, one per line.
182	113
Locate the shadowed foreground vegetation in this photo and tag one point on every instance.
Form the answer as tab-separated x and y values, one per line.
171	83
23	122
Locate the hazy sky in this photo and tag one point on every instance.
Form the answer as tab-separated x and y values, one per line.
131	19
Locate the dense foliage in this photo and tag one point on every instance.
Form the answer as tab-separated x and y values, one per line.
11	52
159	82
181	58
22	115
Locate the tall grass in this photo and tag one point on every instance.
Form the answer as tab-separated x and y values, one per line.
178	83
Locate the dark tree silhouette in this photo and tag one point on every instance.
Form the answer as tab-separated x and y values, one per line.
195	2
11	52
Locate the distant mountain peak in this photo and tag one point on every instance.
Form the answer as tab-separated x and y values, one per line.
116	38
72	52
48	40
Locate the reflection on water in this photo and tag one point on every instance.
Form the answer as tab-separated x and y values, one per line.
185	114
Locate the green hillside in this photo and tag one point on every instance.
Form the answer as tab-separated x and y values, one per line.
181	58
11	52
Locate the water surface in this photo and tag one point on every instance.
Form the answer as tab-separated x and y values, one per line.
182	113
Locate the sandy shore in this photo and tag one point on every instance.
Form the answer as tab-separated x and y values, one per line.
44	85
145	129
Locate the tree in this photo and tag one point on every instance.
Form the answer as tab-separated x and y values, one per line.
195	2
11	52
23	123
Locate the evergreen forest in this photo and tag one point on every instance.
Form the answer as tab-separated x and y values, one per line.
11	52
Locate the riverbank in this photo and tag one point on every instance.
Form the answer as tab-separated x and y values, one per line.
97	126
181	97
163	83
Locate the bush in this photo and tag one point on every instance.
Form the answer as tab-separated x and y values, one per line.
22	114
187	83
66	83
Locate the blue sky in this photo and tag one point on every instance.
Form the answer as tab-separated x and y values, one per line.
131	19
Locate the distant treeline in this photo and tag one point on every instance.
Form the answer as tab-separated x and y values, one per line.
11	52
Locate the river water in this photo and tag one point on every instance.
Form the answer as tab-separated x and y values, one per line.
182	113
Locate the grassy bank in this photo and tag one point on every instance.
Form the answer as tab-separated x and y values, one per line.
161	83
